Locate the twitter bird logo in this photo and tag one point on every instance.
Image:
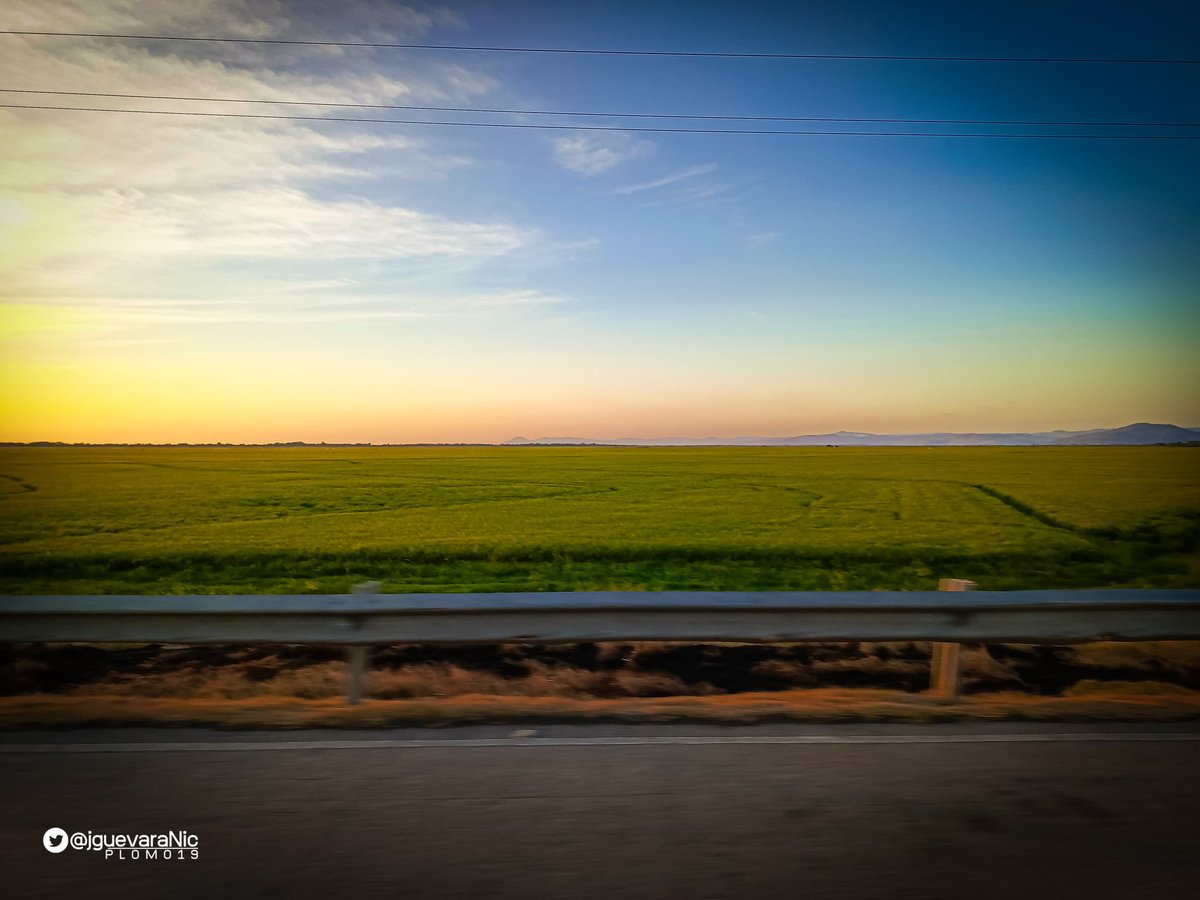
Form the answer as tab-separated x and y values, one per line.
55	840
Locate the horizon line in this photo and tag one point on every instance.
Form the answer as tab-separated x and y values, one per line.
568	440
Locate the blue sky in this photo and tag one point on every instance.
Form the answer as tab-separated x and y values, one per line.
176	279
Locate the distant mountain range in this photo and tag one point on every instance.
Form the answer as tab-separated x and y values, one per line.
1138	433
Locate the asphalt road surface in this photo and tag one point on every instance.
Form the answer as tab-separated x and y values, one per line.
1007	811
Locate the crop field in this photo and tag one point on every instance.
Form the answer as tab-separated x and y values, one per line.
307	519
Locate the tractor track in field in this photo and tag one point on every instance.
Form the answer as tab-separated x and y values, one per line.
1027	510
301	513
24	485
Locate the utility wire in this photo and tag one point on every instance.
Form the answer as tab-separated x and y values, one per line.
966	134
579	50
611	115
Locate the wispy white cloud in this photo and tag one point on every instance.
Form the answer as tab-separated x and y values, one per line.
591	154
691	172
703	193
511	299
364	20
183	209
762	237
691	194
105	319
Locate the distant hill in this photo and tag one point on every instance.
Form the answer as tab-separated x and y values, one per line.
1138	433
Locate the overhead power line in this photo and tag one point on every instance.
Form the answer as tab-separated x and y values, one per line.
609	52
656	130
611	115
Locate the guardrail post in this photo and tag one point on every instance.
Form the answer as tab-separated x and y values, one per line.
943	669
356	656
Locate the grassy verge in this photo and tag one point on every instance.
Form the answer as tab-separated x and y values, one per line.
287	572
1111	702
299	686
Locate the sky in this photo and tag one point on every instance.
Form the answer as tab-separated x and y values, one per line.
200	279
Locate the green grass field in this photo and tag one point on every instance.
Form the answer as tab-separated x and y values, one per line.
274	520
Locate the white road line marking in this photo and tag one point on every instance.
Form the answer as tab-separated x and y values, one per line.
476	743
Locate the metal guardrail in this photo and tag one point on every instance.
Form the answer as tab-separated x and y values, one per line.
362	619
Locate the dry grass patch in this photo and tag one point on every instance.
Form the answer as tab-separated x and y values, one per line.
583	671
1091	702
433	679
